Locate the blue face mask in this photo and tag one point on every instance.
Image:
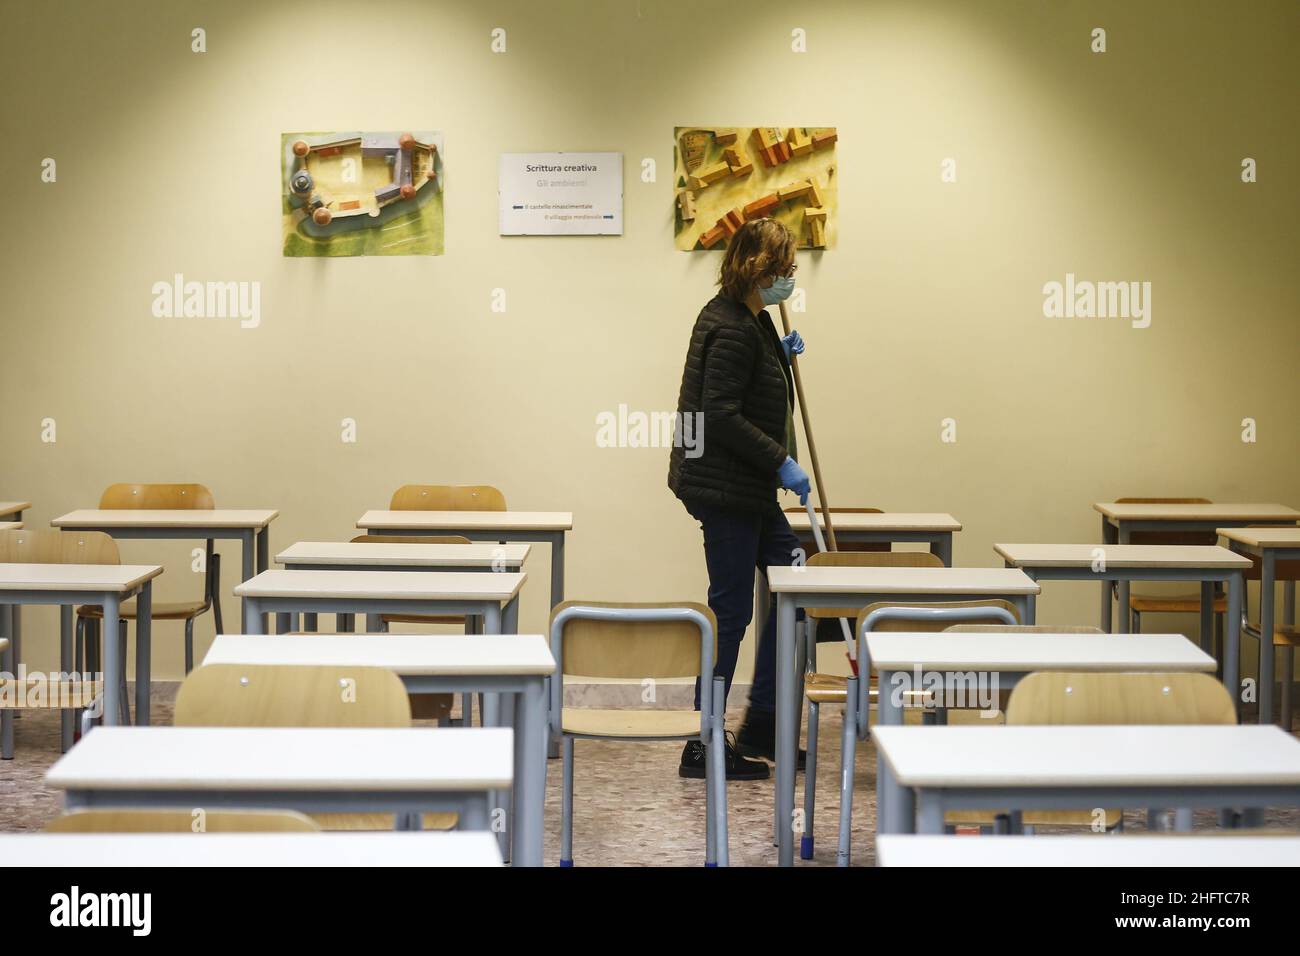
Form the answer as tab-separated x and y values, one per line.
778	291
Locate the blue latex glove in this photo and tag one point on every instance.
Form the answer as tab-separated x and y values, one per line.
792	344
795	479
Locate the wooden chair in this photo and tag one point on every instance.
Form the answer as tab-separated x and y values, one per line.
640	641
822	688
169	497
68	692
440	498
1064	698
1183	603
247	695
182	821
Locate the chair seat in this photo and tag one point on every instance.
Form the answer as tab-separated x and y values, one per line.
1173	603
4	642
1288	636
42	694
378	821
594	722
161	610
1035	818
430	706
456	619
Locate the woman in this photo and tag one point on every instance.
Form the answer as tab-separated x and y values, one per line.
737	378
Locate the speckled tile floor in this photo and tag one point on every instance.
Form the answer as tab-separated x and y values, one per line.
631	808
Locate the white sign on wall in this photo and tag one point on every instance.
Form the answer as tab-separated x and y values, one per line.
561	194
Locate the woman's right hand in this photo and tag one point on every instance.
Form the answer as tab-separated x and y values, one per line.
794	478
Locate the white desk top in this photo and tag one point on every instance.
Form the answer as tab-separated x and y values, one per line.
12	507
1173	849
1213	512
383	554
885	521
287	758
503	521
1121	555
1281	537
11	525
405	654
396	585
940	581
249	849
98	578
1173	756
95	518
1022	653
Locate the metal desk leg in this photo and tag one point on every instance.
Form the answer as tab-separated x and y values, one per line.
930	813
113	663
1207	617
253	616
1267	578
1232	639
7	666
1107	537
284	622
1288	666
510	617
786	742
263	539
16	630
557	569
143	651
530	769
894	803
941	547
67	715
1122	612
247	555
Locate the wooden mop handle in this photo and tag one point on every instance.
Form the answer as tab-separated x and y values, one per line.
807	430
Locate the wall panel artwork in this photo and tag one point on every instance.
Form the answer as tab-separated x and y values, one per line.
725	175
362	194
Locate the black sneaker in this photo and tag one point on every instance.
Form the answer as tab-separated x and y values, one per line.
757	737
738	768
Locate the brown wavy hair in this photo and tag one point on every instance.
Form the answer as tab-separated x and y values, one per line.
759	249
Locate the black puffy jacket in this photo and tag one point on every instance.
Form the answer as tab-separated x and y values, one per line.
737	375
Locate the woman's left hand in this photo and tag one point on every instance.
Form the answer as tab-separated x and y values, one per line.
792	344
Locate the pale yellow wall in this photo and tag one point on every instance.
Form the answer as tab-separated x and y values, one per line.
1117	166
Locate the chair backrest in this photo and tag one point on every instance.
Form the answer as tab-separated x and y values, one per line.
189	497
633	641
175	496
411	538
51	546
248	695
867	559
1060	697
809	543
1169	537
182	821
1025	629
447	498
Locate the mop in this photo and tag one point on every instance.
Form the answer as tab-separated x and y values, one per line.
850	648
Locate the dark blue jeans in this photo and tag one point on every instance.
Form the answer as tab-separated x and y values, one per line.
737	543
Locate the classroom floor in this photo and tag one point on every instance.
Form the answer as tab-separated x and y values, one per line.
631	808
